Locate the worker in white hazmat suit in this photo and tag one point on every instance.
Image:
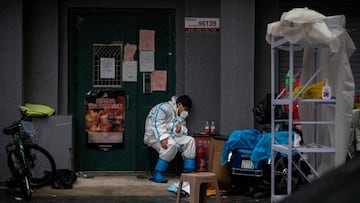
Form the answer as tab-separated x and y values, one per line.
166	132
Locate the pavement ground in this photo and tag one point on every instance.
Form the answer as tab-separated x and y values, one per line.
114	188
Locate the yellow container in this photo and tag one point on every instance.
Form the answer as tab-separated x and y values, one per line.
313	91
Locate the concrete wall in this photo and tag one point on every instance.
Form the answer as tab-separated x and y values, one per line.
266	12
11	65
219	65
262	48
41	52
237	65
202	66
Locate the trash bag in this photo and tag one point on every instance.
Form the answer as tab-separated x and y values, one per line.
64	179
262	111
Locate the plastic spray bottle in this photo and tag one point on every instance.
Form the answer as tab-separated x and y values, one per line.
326	91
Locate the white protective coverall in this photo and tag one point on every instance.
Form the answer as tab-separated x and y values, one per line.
160	124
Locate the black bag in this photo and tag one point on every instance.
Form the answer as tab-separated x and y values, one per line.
64	179
262	112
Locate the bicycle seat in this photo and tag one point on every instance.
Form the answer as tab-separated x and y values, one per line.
11	129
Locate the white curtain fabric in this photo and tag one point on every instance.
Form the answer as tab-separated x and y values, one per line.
328	46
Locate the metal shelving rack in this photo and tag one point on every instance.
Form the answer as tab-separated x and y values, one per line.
278	100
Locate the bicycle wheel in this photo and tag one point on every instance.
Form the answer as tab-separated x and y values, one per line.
25	186
20	173
14	162
281	174
41	165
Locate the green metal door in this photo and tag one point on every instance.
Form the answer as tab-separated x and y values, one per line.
108	28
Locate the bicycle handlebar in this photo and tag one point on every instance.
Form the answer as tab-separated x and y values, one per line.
15	127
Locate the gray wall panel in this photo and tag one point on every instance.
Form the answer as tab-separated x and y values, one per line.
237	65
11	57
41	47
202	66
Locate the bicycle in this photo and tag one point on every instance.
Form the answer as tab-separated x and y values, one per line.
31	165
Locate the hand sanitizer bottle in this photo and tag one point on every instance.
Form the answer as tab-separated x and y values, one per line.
326	91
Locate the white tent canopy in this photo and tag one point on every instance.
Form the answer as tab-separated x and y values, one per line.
311	30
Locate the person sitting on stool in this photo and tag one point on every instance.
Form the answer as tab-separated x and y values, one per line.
166	132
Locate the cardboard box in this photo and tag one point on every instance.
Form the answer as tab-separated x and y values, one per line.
223	173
